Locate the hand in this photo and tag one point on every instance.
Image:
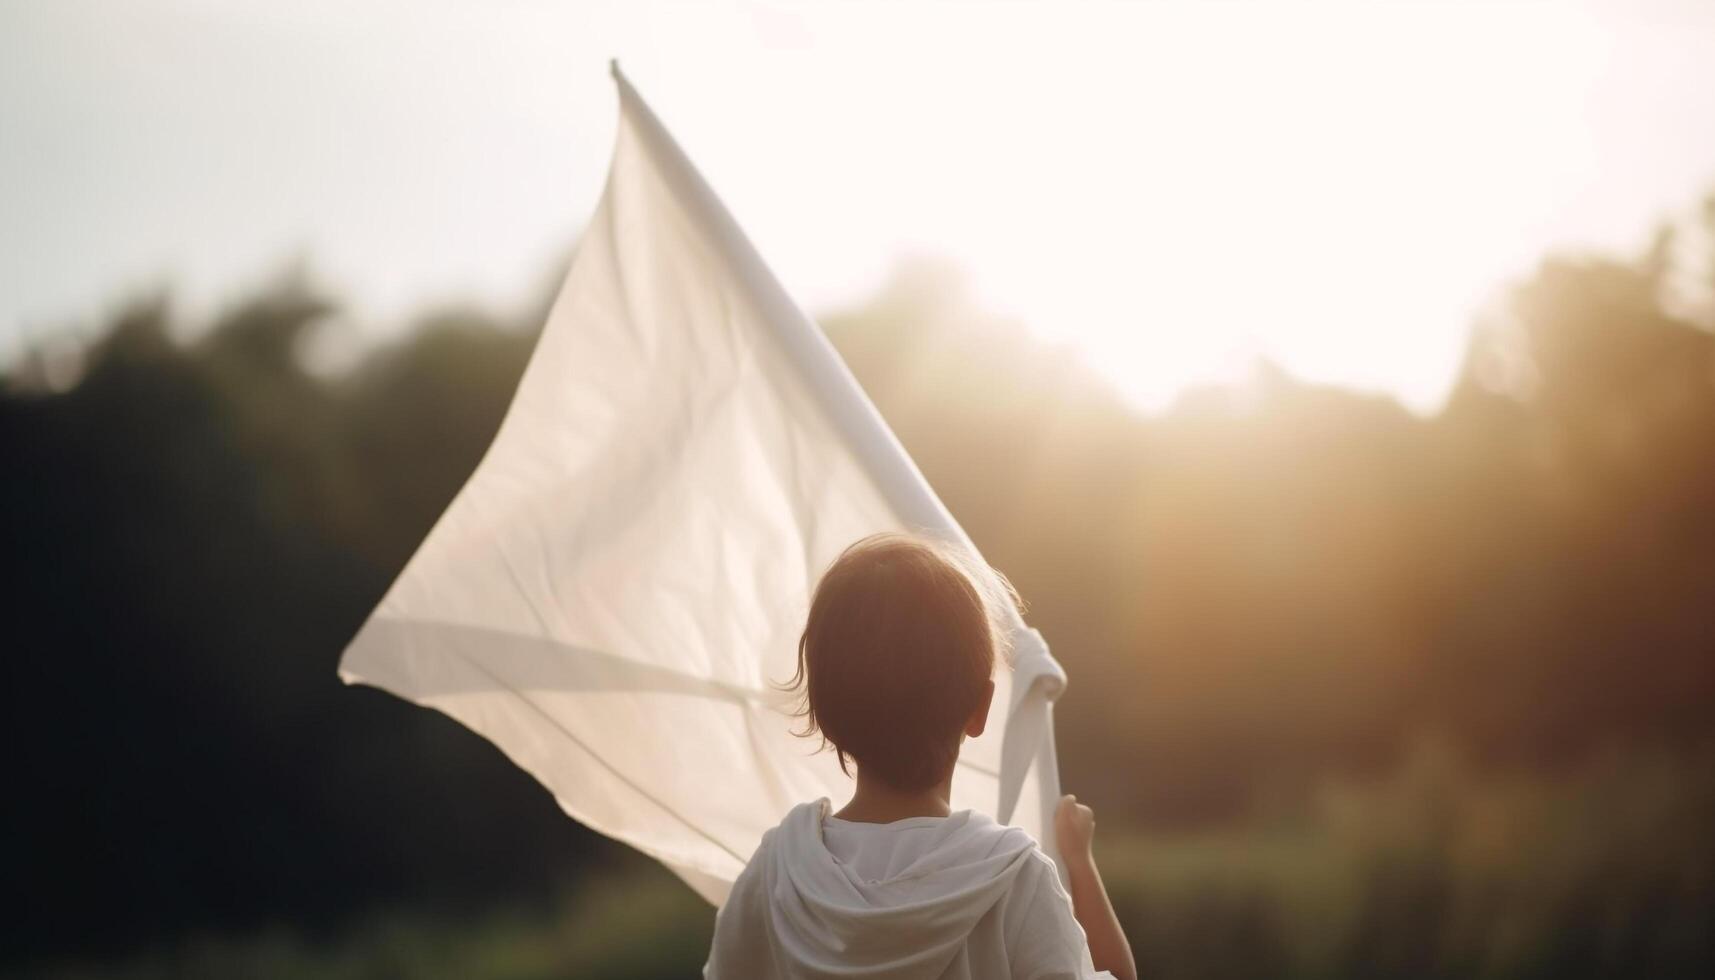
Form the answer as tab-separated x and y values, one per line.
1075	829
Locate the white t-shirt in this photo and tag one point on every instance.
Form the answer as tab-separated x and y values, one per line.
938	898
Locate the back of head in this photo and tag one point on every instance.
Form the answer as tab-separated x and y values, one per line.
897	652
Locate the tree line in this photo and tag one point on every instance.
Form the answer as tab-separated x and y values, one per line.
1253	591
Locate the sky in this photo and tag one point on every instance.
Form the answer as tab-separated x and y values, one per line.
1174	188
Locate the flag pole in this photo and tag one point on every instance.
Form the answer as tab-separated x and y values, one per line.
1038	677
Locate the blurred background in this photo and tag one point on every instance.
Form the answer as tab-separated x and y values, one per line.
1337	383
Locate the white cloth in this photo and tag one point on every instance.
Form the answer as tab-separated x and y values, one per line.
935	898
612	595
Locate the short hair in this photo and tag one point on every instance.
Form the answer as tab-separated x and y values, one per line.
901	638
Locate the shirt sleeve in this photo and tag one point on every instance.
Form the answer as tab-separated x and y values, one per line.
741	947
1048	943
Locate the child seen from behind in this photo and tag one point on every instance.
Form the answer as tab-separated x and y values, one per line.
895	666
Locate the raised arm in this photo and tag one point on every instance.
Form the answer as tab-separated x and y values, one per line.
1075	828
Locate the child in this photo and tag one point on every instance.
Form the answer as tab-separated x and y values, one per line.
895	666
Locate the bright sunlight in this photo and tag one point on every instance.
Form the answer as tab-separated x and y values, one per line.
1176	190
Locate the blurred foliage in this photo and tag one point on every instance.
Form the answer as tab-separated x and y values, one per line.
661	929
1355	692
1433	871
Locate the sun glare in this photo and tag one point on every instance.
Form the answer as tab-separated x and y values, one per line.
1335	190
1174	189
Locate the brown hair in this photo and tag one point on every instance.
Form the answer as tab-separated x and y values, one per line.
901	639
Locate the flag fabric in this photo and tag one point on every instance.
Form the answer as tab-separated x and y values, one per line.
616	593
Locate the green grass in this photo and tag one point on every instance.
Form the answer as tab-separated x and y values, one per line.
1608	871
636	924
1433	872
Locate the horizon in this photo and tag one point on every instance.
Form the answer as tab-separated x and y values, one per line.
460	169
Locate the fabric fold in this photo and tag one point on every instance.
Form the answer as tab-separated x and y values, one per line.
616	593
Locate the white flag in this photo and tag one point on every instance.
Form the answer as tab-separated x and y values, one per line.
614	595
